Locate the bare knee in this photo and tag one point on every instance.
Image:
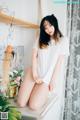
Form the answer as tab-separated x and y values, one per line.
20	103
34	106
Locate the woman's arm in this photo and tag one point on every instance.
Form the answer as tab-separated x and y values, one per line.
34	66
56	71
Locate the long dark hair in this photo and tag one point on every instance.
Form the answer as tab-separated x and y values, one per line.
44	37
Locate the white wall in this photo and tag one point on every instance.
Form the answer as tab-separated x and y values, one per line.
25	10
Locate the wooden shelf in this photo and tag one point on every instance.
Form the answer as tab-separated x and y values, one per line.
15	21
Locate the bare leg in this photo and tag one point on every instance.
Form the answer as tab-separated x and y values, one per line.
38	96
26	88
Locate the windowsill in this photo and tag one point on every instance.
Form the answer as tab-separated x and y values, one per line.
26	112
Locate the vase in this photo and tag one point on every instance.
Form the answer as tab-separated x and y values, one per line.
13	90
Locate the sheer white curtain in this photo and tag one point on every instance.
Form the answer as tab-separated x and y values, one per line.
72	95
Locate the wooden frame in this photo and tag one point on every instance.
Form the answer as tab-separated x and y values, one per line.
15	21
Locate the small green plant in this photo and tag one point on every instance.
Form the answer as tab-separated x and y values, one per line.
5	106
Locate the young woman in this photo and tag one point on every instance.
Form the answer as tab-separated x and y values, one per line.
48	55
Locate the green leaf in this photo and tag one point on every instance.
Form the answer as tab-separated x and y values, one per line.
16	114
6	107
10	117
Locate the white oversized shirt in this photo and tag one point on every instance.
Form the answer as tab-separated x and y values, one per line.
47	57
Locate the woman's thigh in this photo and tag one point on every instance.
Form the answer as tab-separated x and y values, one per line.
26	88
38	96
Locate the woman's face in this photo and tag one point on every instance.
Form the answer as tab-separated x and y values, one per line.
49	29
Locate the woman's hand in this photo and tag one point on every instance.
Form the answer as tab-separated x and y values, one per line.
39	81
36	78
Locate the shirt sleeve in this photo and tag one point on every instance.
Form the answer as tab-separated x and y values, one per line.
36	44
64	47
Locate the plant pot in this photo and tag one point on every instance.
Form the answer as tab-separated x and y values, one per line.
13	90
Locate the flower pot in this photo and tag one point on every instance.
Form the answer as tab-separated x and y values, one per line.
13	90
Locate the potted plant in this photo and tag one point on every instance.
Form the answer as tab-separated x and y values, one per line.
11	111
16	78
